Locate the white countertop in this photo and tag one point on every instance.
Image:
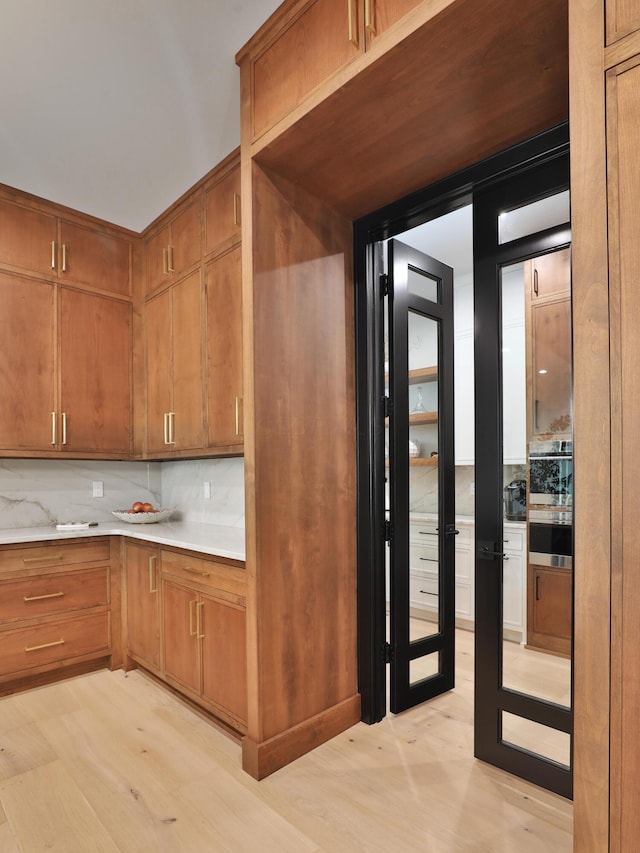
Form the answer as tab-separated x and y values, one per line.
213	539
461	519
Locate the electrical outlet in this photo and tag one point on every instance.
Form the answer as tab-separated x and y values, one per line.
98	489
207	490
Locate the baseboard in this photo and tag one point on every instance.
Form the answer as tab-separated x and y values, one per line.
261	759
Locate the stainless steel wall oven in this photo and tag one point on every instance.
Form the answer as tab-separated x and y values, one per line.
551	473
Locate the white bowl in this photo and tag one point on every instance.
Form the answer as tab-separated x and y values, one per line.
142	517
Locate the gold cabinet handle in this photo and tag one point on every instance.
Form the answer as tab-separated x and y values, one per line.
199	631
64	257
196	571
53	254
41	597
49	559
53	427
165	262
170	259
44	646
238	401
64	427
236	209
152	580
353	34
171	416
368	17
164	427
193	632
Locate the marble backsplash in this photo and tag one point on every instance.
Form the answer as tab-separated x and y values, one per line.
423	492
43	492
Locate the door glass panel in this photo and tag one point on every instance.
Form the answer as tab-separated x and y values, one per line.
419	283
537	528
424	556
536	738
531	218
424	667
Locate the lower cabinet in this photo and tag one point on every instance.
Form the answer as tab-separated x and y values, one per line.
55	608
549	610
186	622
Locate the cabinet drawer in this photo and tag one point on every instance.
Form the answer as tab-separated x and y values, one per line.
53	593
62	553
25	648
423	558
423	591
423	534
196	569
513	541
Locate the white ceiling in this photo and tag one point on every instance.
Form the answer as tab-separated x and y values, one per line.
116	107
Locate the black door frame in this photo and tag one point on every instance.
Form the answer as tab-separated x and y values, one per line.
443	197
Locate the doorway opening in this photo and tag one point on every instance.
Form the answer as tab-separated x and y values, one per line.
465	451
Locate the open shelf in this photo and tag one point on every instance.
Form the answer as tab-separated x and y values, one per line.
420	462
423	374
423	418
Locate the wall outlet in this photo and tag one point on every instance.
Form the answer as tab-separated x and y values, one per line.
207	490
98	489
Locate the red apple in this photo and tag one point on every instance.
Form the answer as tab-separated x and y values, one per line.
147	508
137	506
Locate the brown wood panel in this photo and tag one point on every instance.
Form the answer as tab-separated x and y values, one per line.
379	15
27	332
223	282
53	555
593	511
143	603
156	260
551	390
187	333
26	236
52	642
181	646
314	45
548	275
29	598
159	360
549	609
224	656
301	467
624	137
186	237
205	572
436	102
95	258
95	372
223	215
623	17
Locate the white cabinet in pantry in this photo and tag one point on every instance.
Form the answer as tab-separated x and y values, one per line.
514	590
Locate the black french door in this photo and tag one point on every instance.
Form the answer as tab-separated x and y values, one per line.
419	408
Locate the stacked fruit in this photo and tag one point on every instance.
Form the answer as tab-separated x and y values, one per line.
139	506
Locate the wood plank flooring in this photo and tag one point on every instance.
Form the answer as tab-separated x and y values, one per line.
113	762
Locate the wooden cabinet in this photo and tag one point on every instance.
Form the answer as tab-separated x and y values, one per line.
549	610
222	210
182	633
549	369
223	278
379	15
143	604
27	238
55	607
176	246
175	372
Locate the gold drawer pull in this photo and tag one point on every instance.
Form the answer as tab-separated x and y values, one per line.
152	581
199	632
42	559
41	597
196	571
44	646
53	254
236	209
368	17
352	17
193	632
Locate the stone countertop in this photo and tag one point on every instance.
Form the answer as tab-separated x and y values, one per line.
462	519
213	539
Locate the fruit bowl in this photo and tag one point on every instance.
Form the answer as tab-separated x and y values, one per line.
142	517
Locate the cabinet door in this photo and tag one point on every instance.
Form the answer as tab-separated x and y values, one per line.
27	238
222	211
185	245
143	611
188	359
549	622
379	15
27	363
324	38
94	257
157	260
158	370
224	349
224	656
551	367
180	635
95	345
549	275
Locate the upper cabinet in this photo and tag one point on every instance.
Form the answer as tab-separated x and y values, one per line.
86	253
176	247
623	17
222	210
305	43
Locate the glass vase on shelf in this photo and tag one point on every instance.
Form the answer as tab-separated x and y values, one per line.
419	406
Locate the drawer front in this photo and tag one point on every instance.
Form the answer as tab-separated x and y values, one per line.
423	558
513	541
423	591
427	532
63	553
26	648
53	593
195	569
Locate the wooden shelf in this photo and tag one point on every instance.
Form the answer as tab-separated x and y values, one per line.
423	418
419	462
423	374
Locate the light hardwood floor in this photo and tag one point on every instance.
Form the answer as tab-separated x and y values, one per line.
113	762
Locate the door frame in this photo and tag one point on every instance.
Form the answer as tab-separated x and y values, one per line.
440	198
